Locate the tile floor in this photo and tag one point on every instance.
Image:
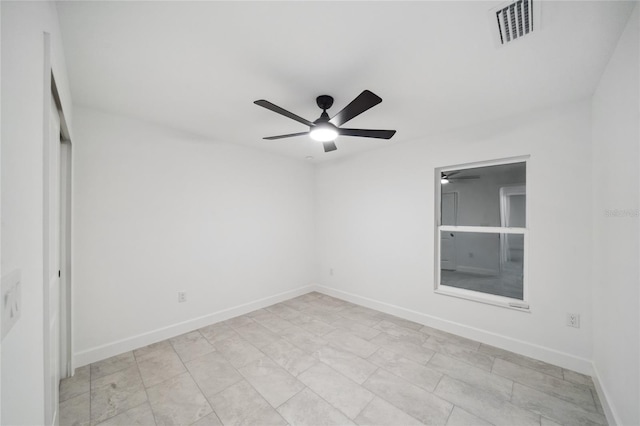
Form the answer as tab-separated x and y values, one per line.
317	360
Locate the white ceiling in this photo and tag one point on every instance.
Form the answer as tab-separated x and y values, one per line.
198	66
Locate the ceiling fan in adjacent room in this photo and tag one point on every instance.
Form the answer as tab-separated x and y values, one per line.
452	177
326	129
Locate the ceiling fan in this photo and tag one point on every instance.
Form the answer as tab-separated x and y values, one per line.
451	177
326	129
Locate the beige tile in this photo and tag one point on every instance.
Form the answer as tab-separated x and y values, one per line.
498	386
159	366
400	321
308	409
356	328
397	378
337	390
238	321
350	365
546	422
257	335
213	373
380	413
178	401
312	325
457	340
348	342
289	357
75	385
554	408
238	351
485	405
408	350
271	381
363	310
116	393
136	416
112	365
304	340
322	314
411	399
76	411
402	333
153	348
596	400
578	394
257	313
240	404
470	356
363	316
577	378
217	332
315	295
191	345
411	371
271	321
522	360
296	302
283	311
210	420
459	417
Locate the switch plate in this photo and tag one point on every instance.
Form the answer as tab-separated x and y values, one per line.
11	303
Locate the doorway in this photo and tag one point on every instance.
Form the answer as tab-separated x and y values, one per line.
449	216
57	254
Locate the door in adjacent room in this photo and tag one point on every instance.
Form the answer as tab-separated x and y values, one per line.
449	203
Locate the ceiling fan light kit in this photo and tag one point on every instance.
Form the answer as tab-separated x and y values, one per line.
323	132
326	129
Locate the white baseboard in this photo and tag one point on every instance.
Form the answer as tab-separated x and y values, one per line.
552	356
609	412
134	342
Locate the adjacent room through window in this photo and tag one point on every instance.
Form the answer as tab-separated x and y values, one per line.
482	231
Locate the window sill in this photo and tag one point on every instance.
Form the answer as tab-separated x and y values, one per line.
487	299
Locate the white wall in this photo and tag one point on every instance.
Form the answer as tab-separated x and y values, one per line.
616	333
376	230
157	212
23	97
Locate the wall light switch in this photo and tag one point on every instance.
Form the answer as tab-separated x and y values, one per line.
11	304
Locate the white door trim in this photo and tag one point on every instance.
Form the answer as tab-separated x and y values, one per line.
51	210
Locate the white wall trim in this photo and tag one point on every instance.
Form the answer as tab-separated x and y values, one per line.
542	353
134	342
612	417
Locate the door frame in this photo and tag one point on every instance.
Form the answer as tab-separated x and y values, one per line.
505	208
51	95
455	195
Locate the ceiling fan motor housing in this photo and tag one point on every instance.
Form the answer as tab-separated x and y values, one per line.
324	101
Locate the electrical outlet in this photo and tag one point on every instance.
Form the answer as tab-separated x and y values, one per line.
182	296
573	320
11	303
331	271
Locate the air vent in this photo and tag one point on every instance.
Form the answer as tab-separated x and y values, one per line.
515	20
